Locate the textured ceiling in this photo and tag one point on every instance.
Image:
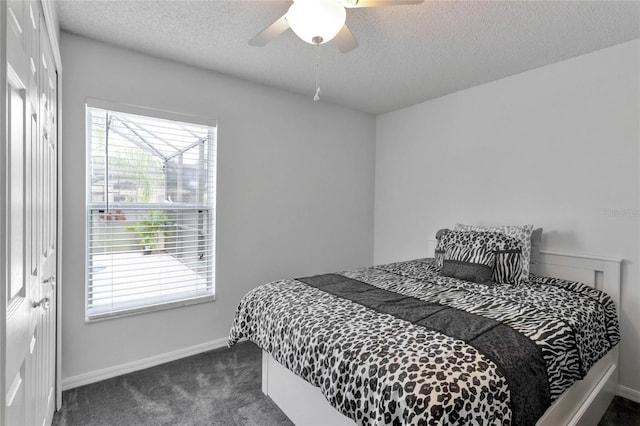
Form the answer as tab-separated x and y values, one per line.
407	54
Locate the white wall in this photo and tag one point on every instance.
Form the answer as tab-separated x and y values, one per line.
295	195
557	146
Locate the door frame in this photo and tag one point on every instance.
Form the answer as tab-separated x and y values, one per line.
3	201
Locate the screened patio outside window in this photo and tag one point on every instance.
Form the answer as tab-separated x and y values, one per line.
150	212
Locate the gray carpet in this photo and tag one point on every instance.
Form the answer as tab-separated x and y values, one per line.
220	387
621	412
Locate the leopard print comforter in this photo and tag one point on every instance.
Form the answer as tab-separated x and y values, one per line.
381	368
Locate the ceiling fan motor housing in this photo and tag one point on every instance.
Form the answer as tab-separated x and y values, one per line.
316	21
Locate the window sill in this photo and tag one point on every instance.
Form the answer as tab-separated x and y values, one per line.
98	317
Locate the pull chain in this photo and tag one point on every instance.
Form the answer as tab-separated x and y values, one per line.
316	97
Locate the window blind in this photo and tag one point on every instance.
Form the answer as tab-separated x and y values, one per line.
150	213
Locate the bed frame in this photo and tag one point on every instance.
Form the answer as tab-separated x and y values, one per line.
584	403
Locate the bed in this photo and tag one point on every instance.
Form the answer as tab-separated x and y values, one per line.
400	344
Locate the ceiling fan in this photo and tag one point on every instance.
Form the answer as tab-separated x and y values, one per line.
320	21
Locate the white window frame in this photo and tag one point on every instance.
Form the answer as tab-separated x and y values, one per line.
153	113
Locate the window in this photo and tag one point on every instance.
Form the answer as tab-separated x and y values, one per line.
150	210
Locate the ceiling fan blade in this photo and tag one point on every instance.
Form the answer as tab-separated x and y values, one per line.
378	3
345	40
271	32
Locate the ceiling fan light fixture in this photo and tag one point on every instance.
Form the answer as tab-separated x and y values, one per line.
316	21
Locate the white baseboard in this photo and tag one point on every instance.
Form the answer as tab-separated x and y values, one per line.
141	364
629	393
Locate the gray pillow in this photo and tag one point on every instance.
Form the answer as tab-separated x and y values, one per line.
536	241
439	253
441	232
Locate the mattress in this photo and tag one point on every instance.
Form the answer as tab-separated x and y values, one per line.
401	344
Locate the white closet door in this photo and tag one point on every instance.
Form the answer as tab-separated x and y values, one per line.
30	207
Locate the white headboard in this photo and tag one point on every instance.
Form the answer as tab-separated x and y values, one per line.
602	273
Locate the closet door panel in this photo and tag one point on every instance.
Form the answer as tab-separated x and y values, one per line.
30	158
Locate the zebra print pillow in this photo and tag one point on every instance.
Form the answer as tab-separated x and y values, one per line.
522	233
508	267
470	264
